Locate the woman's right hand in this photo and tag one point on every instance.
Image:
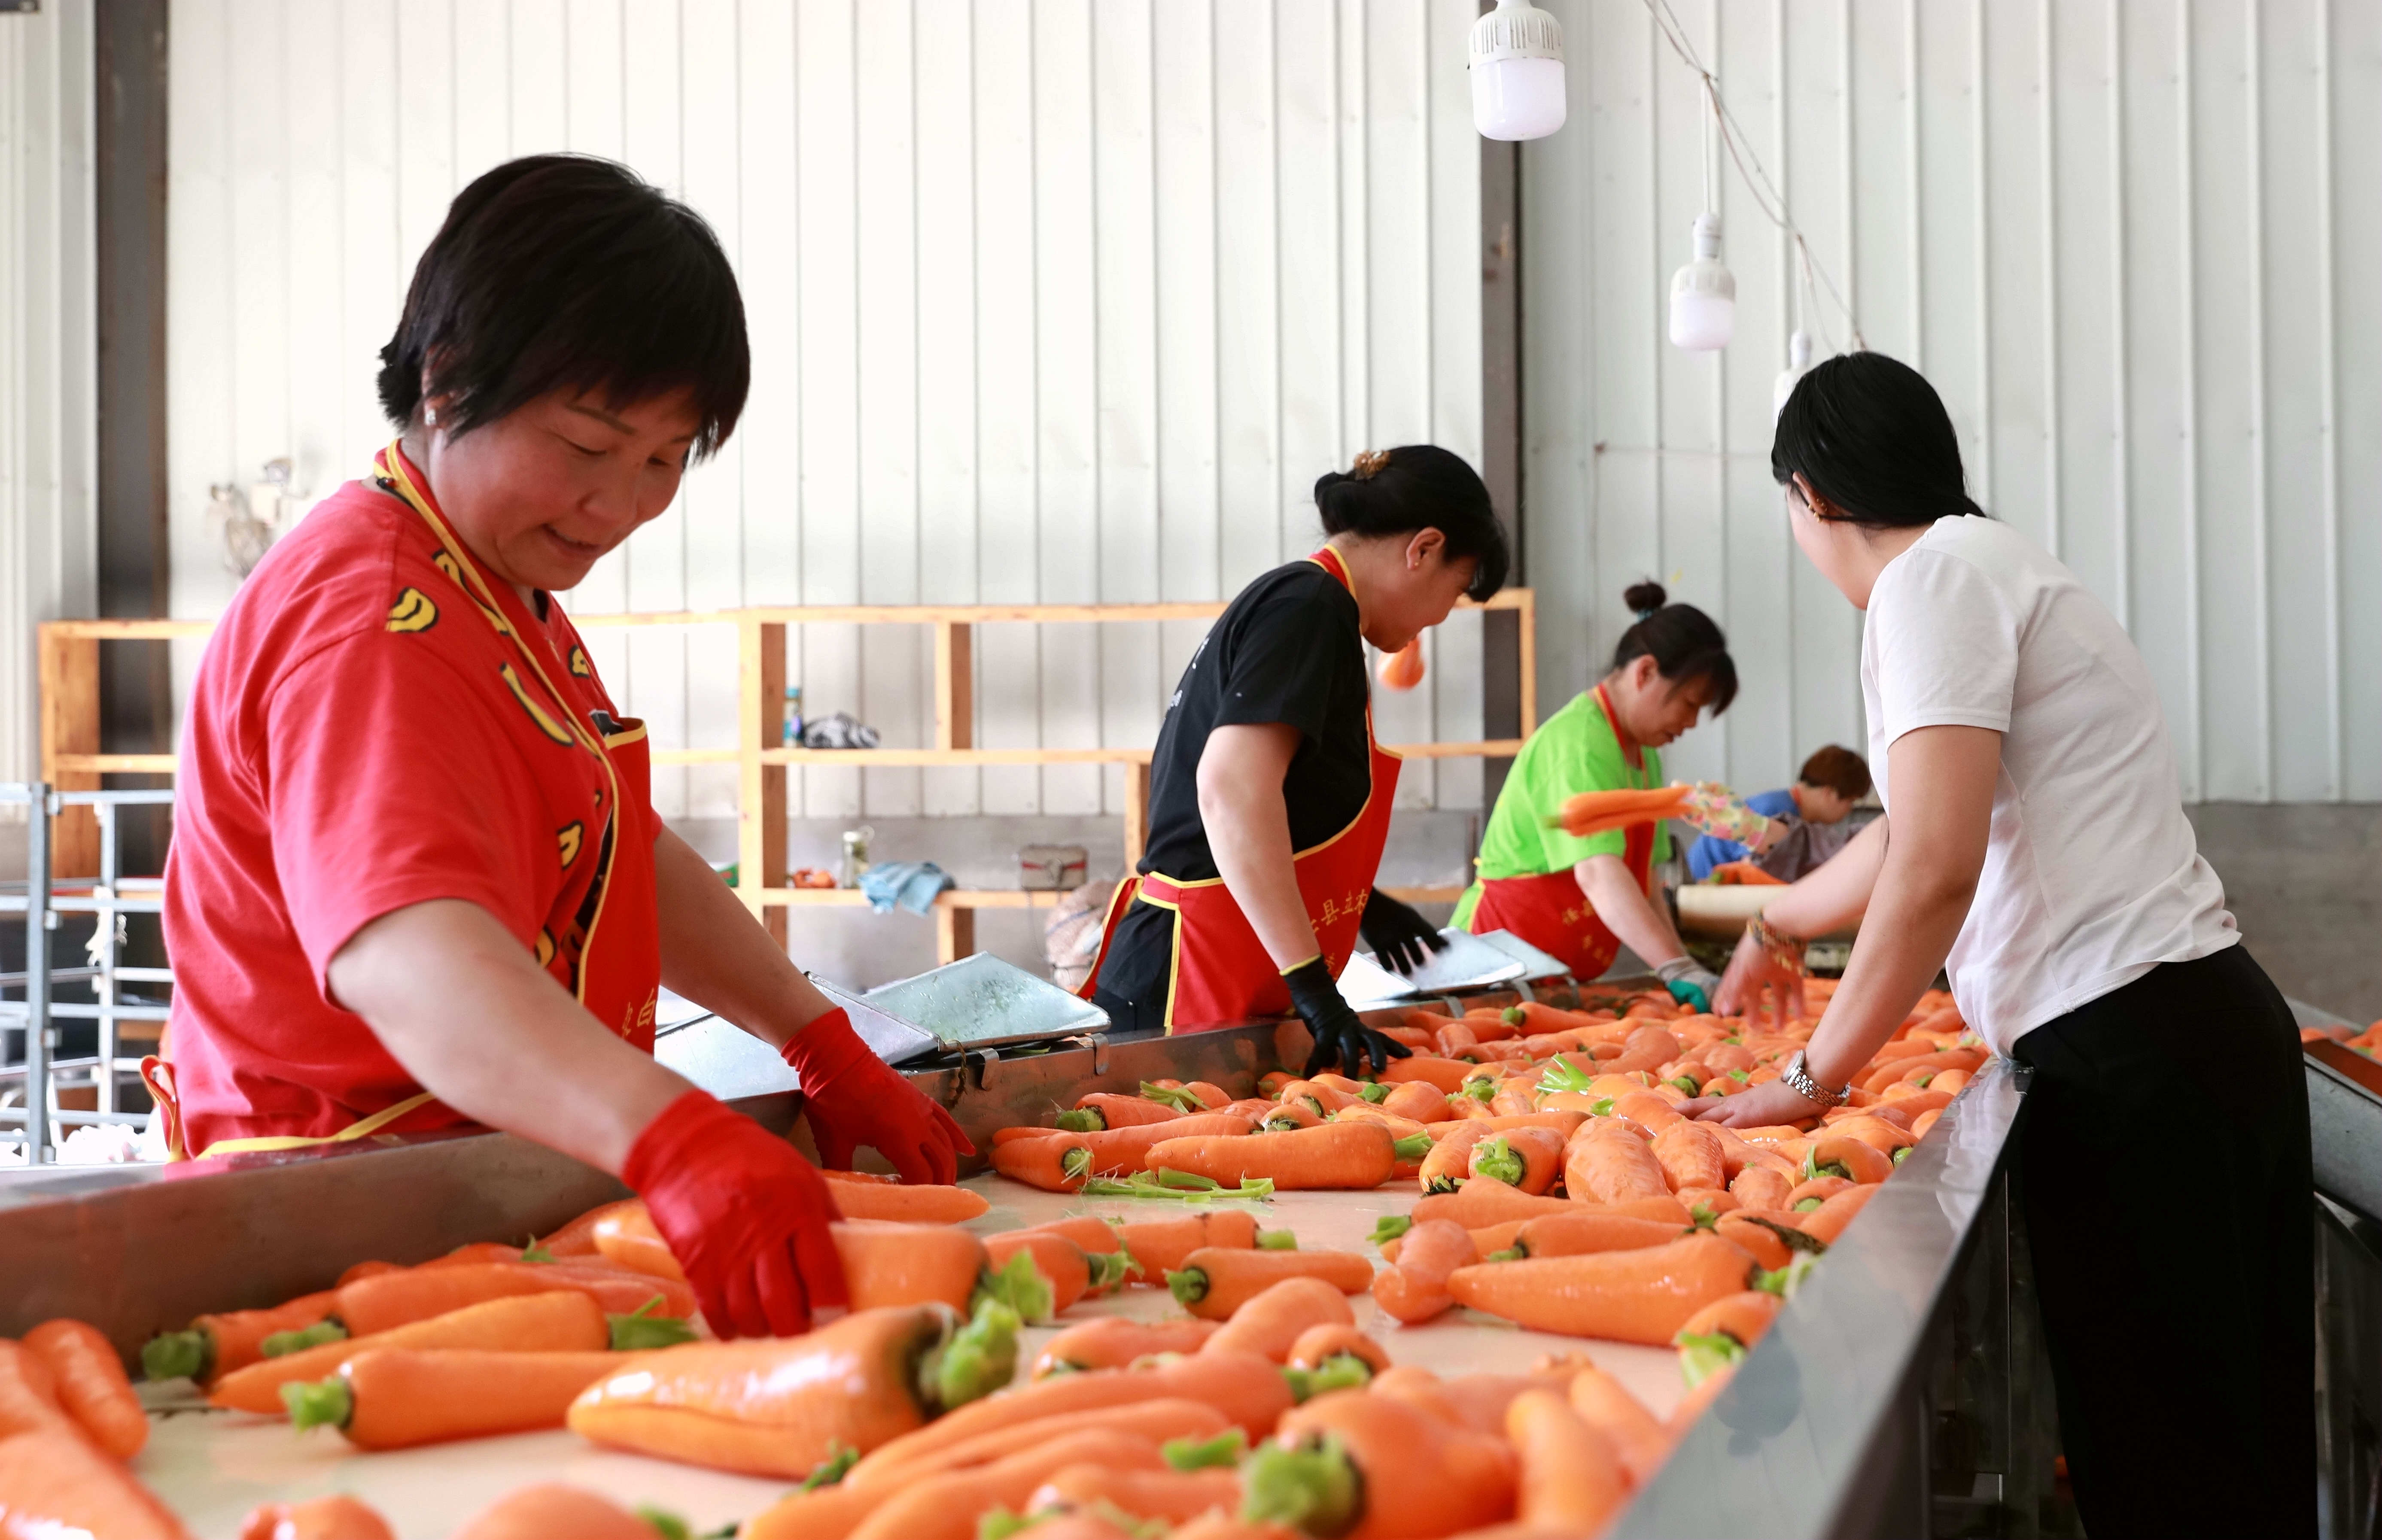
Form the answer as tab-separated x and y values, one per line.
745	1216
1750	968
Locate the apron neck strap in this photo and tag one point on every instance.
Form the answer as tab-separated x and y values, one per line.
1332	562
1629	749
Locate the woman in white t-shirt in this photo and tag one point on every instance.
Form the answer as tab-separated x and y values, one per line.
2035	846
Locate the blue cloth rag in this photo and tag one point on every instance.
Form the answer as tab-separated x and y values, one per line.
911	884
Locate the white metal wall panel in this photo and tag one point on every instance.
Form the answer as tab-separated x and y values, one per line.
2131	242
48	351
1050	302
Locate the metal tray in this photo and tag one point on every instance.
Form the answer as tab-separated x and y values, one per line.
981	1002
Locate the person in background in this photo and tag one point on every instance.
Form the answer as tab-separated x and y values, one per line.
1578	899
417	881
2038	852
1824	791
1268	800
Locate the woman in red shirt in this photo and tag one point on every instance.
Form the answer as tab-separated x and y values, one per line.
417	880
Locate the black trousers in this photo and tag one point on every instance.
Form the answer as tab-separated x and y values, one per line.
2164	1165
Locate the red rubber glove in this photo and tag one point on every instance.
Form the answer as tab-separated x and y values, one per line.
852	1098
744	1214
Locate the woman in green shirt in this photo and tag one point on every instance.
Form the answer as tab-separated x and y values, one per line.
1578	899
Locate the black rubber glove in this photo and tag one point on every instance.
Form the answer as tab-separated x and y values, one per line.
1402	940
1340	1038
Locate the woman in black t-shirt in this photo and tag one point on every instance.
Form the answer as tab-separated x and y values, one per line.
1269	800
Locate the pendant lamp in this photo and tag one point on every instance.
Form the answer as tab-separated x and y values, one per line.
1517	72
1704	294
1799	364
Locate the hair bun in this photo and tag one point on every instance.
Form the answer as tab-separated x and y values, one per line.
1645	598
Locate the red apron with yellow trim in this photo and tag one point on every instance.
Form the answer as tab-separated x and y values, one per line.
1551	913
607	951
1221	974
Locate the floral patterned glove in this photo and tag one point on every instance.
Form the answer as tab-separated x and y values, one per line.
1712	808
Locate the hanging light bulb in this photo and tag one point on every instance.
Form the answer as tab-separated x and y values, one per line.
1703	294
1799	364
1517	72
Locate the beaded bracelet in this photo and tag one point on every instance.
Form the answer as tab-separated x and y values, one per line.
1785	950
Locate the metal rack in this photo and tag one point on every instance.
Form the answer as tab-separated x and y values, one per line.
43	898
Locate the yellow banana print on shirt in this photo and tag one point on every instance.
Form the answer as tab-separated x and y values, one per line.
569	838
546	724
453	568
580	666
412	611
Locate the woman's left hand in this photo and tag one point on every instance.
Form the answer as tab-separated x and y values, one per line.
1760	1107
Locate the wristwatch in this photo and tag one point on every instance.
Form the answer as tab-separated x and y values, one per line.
1811	1090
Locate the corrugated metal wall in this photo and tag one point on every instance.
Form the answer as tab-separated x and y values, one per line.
2133	242
48	351
1062	301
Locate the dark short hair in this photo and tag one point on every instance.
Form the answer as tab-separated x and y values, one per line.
568	272
1682	640
1871	437
1839	770
1415	487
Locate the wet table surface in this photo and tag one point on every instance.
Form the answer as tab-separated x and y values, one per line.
212	1466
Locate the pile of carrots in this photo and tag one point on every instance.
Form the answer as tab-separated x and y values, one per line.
2369	1042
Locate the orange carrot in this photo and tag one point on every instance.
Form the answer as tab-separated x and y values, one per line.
92	1386
628	1239
1590	1232
1924	1121
1691	1154
29	1394
1159	1420
52	1482
550	1508
920	1205
1055	1163
1479	1203
1113	1341
1122	1150
337	1518
563	1320
1638	1437
1447	1074
1159	1246
1827	1222
1634	1296
1271	1321
376	1304
577	1237
779	1406
948	1507
1449	1160
1332	1339
1296	1113
1527	1159
1213	1283
216	1344
367	1270
1415	1290
1093	1234
888	1263
1760	1187
1115	1111
1059	1260
1699	1397
1713	1201
1172	1496
1571	1478
396	1398
1248	1390
1613	1168
1758	1239
1418	1100
1415	1474
1350	1155
1742	1316
477	1251
1819	1188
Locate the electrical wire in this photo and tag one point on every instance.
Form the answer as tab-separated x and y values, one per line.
1765	193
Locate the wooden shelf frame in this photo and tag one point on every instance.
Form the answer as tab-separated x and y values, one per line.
71	760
